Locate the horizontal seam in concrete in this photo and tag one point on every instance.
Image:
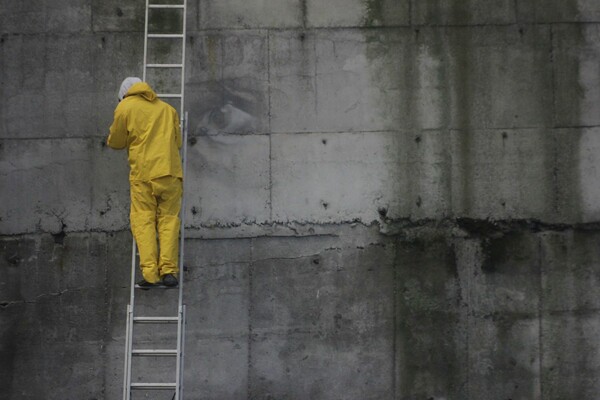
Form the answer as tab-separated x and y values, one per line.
315	28
442	129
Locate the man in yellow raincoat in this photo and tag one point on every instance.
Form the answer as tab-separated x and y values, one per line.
149	129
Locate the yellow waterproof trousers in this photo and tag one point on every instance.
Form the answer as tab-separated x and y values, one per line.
155	207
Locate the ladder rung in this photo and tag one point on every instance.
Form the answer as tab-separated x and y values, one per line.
155	320
169	95
166	35
153	386
164	65
154	352
166	6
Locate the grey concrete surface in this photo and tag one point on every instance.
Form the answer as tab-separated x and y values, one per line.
385	200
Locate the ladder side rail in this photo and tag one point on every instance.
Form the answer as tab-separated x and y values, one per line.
128	353
146	40
133	267
183	209
180	353
183	32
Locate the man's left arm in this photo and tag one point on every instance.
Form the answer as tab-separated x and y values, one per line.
177	130
117	138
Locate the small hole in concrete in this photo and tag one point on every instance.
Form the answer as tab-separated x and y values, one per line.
504	135
382	212
418	139
13	260
302	36
194	210
325	205
59	238
119	12
192	141
324	141
419	201
316	261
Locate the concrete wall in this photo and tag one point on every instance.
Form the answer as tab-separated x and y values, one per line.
386	199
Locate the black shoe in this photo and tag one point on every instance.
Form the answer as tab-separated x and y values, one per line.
170	280
145	285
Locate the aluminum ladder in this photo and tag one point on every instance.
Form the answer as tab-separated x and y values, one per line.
154	9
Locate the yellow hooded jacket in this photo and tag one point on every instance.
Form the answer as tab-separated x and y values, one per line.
149	128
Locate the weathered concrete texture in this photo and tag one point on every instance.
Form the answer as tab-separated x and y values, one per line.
487	77
317	176
431	338
495	181
230	14
228	86
503	315
53	310
71	185
570	323
235	168
500	77
558	11
53	93
352	13
40	16
463	12
385	199
577	77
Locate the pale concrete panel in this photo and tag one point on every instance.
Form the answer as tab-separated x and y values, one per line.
77	186
115	57
504	329
559	11
231	14
218	368
361	80
52	89
323	337
115	15
292	75
505	276
17	16
345	177
588	159
500	77
245	83
431	319
320	366
351	13
228	89
218	300
56	371
577	74
503	174
463	12
504	358
570	271
571	361
23	86
228	180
